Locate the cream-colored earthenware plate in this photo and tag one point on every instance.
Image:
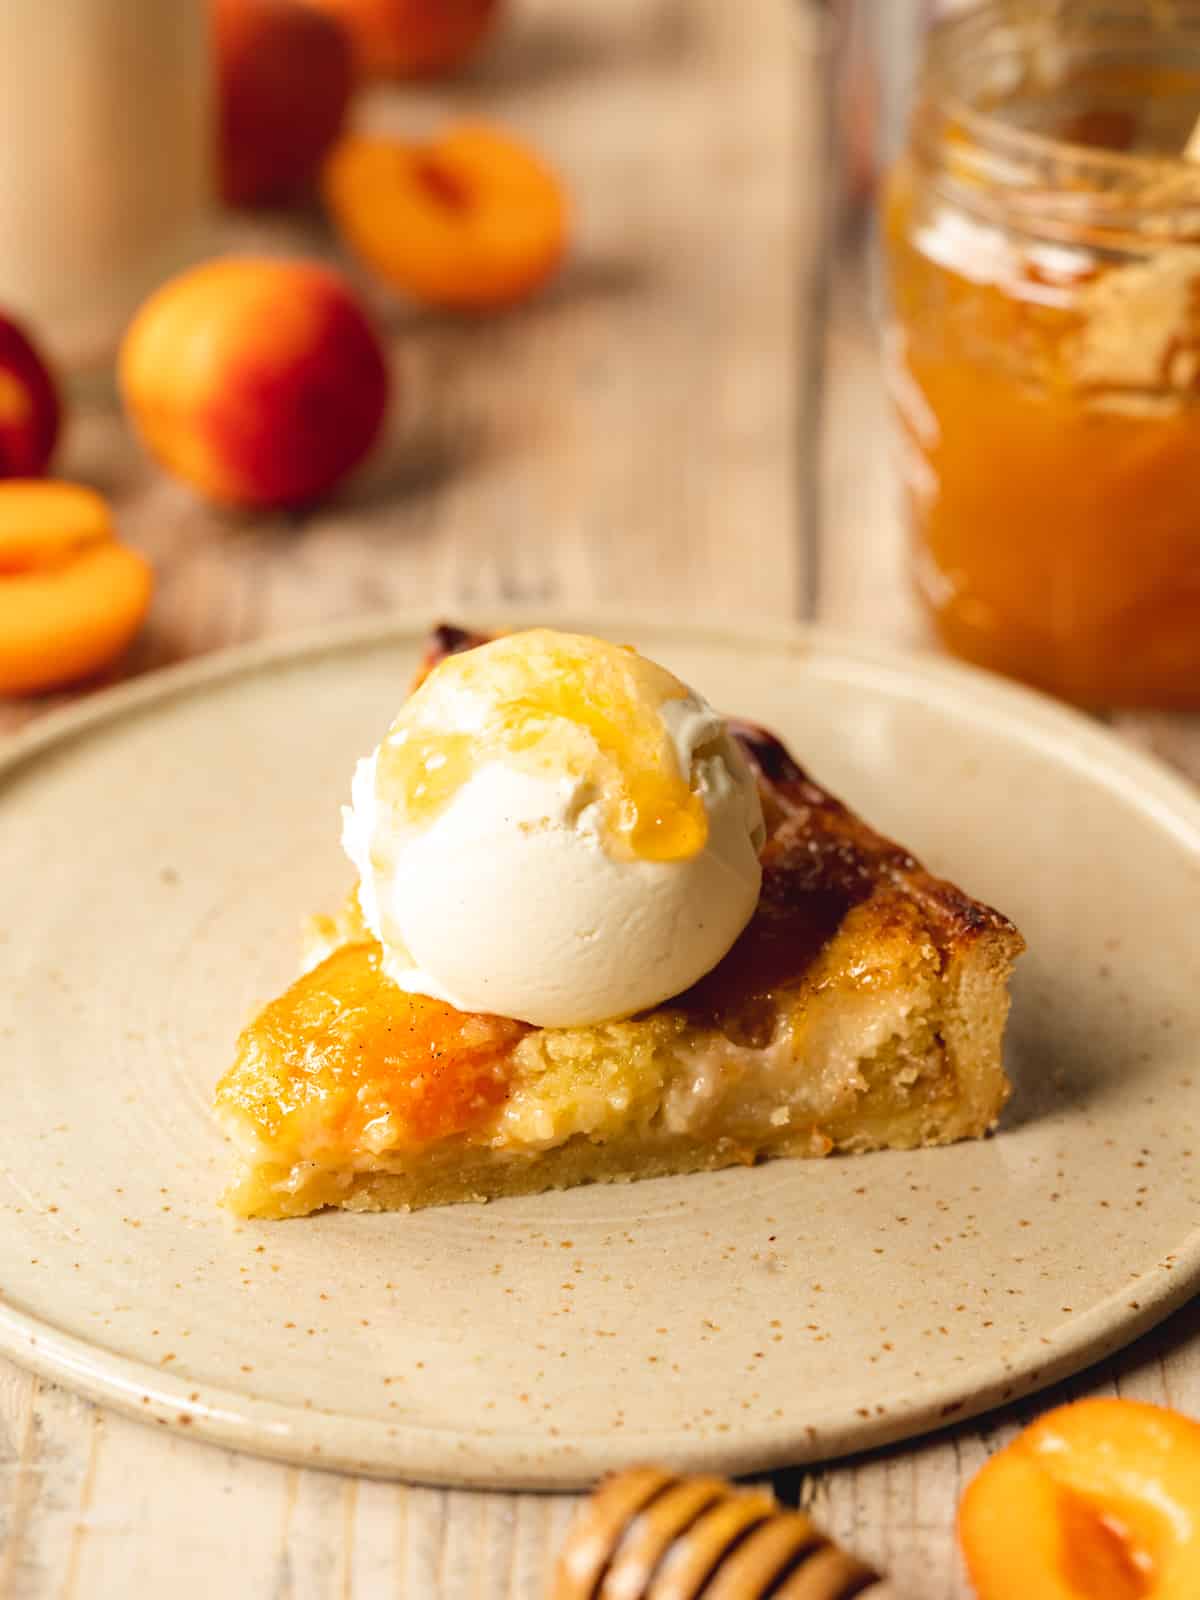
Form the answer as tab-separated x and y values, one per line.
158	849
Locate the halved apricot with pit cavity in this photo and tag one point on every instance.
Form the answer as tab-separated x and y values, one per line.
471	221
1096	1501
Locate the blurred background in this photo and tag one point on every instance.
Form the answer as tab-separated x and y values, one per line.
329	306
597	321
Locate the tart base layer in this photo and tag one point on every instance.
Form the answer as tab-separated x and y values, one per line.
863	1008
881	1120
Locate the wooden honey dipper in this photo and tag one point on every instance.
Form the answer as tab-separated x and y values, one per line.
649	1534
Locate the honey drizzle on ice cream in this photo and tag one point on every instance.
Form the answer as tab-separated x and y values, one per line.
556	703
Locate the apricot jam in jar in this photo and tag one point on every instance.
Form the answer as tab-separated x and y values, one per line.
1042	255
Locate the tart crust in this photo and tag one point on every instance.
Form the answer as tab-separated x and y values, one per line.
862	1008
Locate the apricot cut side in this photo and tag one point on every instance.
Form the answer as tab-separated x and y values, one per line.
59	624
472	221
1096	1501
43	523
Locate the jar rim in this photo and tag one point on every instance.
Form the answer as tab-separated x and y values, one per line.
1059	185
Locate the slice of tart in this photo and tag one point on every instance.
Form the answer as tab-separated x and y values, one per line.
862	1008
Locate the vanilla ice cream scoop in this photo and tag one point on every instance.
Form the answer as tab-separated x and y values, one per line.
554	829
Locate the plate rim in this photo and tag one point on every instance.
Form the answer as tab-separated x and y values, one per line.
1139	769
528	1459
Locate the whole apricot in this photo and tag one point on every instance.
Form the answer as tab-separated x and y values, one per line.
412	38
259	382
29	405
284	78
71	596
472	220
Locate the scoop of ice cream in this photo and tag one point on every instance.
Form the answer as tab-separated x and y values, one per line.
554	829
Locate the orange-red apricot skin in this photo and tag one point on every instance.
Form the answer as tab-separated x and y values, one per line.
413	38
285	76
260	382
29	405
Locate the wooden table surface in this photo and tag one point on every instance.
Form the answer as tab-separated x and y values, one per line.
636	438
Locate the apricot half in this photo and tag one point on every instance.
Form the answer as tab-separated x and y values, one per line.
1096	1501
42	523
473	220
71	597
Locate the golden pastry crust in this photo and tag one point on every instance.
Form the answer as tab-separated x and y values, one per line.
863	1007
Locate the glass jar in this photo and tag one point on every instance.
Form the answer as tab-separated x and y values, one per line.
106	149
1042	245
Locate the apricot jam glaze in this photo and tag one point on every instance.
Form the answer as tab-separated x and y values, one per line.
557	705
1042	245
345	1063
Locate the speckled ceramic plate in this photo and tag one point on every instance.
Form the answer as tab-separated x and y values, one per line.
158	848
